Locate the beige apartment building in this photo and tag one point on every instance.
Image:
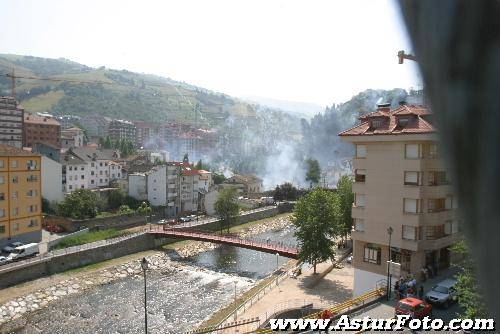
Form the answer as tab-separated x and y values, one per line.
401	183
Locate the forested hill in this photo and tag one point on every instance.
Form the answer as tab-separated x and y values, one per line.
78	90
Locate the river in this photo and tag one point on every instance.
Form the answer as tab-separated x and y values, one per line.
178	299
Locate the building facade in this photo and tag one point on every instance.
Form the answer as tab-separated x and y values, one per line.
401	186
41	129
120	129
11	122
72	137
52	185
20	196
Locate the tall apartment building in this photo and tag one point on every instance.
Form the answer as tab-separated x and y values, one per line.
20	196
401	183
41	129
11	122
120	129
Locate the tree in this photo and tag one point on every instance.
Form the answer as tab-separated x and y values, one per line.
313	173
226	207
144	209
125	209
218	178
199	165
286	192
116	198
107	143
80	204
316	219
468	290
185	158
346	198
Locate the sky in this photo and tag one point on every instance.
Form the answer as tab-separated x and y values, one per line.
315	51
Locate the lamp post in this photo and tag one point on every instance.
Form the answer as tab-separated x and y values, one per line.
144	266
389	231
277	267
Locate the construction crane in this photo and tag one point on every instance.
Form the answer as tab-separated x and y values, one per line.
402	56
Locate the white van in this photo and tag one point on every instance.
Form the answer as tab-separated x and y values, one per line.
23	251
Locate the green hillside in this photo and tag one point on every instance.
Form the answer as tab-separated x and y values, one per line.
77	89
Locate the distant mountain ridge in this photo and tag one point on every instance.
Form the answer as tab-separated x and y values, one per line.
77	89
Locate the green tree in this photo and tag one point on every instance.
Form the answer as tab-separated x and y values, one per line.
107	143
226	208
346	198
116	198
218	178
285	191
80	204
144	209
199	165
469	292
125	209
313	173
185	158
316	219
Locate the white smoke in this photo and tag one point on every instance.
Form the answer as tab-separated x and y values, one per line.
283	167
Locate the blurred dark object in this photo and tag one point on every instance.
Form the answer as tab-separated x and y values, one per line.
457	45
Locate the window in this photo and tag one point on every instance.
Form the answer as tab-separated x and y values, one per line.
92	164
100	172
32	208
434	232
402	121
15	179
433	151
436	205
376	123
2	180
360	151
70	168
437	178
359	200
82	177
70	187
31	164
92	173
15	211
13	163
2	164
14	195
82	168
409	232
33	223
32	178
91	181
2	196
32	193
2	229
412	178
448	203
413	151
16	227
82	186
360	175
359	224
448	227
2	212
412	205
372	254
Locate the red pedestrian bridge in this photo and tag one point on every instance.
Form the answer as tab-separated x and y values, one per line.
266	246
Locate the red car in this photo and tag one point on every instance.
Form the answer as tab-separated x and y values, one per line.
414	307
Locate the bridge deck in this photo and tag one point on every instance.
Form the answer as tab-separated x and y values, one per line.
267	247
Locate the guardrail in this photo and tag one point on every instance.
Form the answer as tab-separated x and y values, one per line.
70	250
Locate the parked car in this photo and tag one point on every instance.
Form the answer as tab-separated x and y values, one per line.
10	247
172	222
349	259
23	252
54	229
185	219
443	293
3	260
414	307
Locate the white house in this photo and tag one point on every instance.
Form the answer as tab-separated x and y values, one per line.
157	186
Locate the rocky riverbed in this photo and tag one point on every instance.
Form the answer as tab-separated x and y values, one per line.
160	261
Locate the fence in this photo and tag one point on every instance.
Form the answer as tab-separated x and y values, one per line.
65	251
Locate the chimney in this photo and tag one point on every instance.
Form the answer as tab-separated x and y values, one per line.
384	107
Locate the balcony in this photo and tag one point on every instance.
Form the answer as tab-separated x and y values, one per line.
172	195
358	212
435	244
172	186
359	187
171	177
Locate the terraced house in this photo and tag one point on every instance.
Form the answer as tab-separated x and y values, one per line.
401	186
20	196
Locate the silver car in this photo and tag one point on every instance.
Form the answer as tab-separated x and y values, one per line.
444	293
3	260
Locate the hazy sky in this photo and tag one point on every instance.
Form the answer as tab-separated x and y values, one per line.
312	51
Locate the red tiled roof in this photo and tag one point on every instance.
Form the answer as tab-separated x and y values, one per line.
417	122
35	119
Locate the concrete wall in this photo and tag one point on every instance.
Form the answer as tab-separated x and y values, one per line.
52	181
118	222
84	257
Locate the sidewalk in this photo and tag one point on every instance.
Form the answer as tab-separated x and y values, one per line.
335	287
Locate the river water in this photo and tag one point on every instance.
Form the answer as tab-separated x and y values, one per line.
178	299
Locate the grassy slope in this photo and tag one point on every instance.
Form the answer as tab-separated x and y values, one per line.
124	94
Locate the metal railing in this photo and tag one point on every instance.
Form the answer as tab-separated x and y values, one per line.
69	250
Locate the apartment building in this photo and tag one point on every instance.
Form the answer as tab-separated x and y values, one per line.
120	129
41	129
72	137
11	122
20	196
401	183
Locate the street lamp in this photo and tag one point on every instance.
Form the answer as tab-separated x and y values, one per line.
389	231
277	267
144	266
